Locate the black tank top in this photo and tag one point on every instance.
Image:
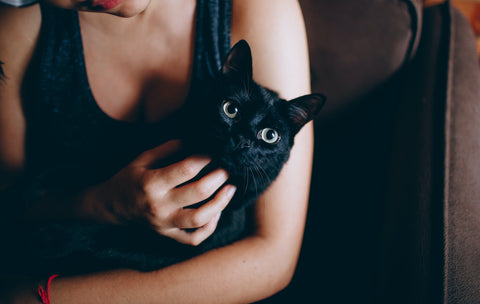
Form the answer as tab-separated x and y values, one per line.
72	143
67	131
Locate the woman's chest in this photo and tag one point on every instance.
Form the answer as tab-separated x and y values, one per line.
140	76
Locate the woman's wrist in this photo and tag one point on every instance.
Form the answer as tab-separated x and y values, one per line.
92	205
44	290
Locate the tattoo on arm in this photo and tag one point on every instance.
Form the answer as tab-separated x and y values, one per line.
2	74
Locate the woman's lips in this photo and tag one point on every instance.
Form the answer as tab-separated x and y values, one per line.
106	4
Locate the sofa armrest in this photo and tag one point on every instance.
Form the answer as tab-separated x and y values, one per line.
356	46
431	233
462	168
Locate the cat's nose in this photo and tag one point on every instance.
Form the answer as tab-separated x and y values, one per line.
244	143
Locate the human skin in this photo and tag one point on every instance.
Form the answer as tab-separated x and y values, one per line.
246	271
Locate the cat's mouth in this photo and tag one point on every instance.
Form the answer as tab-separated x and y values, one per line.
244	173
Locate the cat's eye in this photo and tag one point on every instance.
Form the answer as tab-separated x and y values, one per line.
268	135
230	108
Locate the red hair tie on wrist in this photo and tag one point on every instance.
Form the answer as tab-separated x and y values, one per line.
44	293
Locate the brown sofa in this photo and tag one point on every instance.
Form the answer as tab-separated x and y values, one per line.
395	203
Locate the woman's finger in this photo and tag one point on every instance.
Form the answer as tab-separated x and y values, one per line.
193	218
196	237
180	172
200	190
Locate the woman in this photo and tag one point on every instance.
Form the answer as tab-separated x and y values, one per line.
139	56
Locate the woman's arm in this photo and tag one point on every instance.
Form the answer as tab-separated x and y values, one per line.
19	29
260	265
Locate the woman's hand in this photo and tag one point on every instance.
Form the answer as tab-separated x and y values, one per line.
158	196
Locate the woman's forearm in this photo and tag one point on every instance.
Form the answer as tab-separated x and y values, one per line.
246	271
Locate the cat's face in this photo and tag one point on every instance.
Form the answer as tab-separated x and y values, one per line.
252	129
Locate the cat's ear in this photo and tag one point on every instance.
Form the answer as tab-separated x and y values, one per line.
303	109
239	62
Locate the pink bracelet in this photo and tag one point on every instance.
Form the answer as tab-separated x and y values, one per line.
44	293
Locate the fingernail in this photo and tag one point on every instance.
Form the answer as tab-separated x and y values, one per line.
231	191
224	173
203	158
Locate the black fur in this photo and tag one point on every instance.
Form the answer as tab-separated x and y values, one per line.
234	143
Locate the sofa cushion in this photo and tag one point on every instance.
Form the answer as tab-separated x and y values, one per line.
356	46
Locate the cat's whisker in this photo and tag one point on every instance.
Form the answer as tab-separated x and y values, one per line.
246	180
257	170
266	175
261	173
254	180
254	176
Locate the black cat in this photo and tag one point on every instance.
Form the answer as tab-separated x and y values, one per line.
246	129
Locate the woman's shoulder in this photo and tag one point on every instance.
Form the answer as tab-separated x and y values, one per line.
19	31
275	31
265	18
19	22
